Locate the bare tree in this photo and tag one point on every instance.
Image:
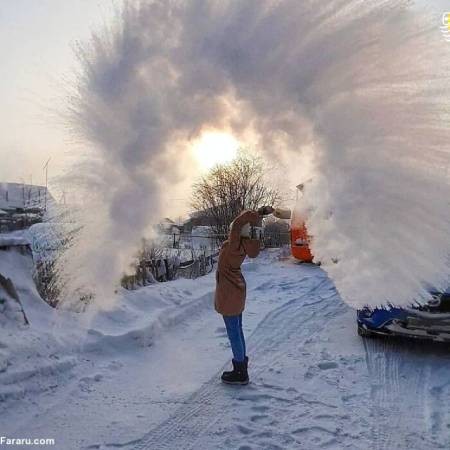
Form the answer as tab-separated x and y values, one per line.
227	189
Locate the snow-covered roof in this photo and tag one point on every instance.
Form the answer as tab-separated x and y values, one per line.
18	195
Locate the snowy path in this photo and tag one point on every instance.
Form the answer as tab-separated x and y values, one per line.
315	383
132	377
219	416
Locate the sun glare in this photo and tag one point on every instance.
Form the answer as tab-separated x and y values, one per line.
215	148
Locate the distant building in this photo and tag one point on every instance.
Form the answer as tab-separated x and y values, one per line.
18	196
22	205
168	226
209	217
199	219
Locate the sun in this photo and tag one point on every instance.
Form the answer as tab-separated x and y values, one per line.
215	148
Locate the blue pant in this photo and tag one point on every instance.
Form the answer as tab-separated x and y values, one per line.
233	325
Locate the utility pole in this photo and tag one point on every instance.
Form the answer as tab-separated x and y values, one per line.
23	193
63	197
24	218
45	167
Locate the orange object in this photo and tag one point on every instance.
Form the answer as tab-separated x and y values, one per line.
300	239
300	243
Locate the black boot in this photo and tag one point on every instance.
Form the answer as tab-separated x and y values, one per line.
238	375
228	373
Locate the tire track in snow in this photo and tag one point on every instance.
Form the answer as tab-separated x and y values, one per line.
384	389
405	404
437	388
204	411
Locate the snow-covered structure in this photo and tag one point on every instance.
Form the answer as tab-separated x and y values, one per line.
19	196
22	205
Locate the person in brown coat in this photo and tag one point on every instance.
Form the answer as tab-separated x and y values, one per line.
231	288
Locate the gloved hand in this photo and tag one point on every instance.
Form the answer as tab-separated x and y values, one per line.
265	210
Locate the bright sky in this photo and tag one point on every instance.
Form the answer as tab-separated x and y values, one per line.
36	38
35	43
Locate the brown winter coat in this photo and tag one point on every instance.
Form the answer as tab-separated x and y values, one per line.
230	283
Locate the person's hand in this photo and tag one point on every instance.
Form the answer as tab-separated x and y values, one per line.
265	210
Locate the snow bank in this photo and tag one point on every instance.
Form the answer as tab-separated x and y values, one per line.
43	355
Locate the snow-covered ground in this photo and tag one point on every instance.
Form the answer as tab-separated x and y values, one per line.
146	374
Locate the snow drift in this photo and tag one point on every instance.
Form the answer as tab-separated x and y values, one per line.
350	93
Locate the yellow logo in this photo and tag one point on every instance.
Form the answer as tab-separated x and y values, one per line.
445	27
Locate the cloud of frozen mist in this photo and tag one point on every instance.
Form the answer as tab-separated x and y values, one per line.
355	90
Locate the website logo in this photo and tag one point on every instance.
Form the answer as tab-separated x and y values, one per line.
445	26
